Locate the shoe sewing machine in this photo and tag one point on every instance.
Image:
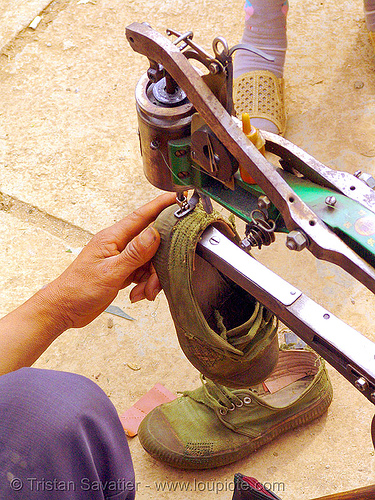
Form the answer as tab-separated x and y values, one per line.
190	140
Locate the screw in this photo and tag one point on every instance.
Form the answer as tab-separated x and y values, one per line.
330	201
361	384
215	240
155	144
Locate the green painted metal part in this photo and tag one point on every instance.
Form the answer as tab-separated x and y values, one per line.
241	201
182	168
352	222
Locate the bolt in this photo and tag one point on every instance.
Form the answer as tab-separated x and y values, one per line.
296	241
361	384
214	68
330	201
264	202
292	245
180	152
183	175
152	75
215	240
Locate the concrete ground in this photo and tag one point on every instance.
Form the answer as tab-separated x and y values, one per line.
70	165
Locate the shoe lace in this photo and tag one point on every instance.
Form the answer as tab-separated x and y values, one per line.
217	397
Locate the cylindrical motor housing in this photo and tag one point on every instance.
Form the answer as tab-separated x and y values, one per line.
158	124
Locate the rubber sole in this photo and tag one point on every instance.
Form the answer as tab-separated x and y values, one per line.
157	451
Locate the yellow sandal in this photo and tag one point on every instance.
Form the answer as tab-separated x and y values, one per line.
261	95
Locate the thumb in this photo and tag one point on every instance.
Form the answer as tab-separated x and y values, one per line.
140	249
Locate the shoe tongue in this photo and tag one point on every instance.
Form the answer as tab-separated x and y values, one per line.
220	324
210	394
244	336
254	328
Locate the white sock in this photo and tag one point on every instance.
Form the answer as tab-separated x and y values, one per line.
265	28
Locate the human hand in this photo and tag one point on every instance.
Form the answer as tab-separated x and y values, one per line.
112	260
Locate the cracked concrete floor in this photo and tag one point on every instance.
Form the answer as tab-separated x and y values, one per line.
70	165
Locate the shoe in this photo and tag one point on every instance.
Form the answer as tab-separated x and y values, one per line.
223	331
214	426
261	95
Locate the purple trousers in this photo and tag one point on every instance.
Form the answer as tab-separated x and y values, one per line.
60	438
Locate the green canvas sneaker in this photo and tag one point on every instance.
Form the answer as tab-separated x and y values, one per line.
214	426
224	332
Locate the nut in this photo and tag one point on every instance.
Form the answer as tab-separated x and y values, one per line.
367	179
296	241
361	384
264	202
246	245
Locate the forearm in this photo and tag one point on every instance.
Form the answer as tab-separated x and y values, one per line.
112	260
26	332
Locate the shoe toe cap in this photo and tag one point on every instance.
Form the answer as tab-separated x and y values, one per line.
184	434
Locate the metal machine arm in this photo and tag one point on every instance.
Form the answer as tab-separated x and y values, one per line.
322	242
206	149
344	348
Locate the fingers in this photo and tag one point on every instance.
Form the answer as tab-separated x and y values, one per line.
146	289
153	287
138	252
148	284
129	227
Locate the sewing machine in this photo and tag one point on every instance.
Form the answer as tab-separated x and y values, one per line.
190	140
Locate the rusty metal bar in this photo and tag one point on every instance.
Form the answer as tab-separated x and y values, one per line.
323	243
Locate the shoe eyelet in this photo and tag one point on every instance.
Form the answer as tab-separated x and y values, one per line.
247	400
239	404
222	411
233	407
